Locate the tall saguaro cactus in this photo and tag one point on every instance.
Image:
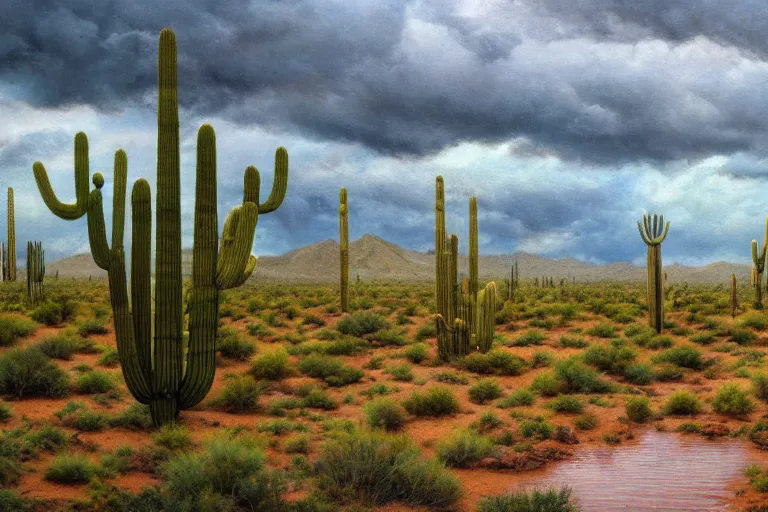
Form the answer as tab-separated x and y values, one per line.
35	271
654	231
157	371
734	297
344	249
758	260
10	265
465	318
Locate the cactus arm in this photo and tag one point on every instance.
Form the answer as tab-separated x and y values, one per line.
97	233
79	207
280	183
251	185
473	257
643	234
118	198
141	272
204	296
755	259
236	247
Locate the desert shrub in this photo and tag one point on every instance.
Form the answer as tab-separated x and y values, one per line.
640	374
536	428
602	330
319	399
417	353
542	359
228	469
742	336
31	373
760	385
173	437
567	403
272	365
94	382
435	401
297	443
573	342
684	356
703	338
638	409
14	327
92	326
61	346
682	402
77	416
531	337
231	344
361	323
10	474
9	500
70	469
612	358
755	320
53	313
332	371
487	422
579	378
5	412
109	358
463	448
668	372
428	330
384	469
536	500
730	399
240	394
280	427
496	361
484	390
548	384
586	421
519	398
136	416
384	413
401	372
450	377
758	479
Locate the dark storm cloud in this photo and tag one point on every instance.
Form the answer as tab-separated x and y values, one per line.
411	79
16	156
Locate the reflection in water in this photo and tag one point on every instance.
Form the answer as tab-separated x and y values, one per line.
662	471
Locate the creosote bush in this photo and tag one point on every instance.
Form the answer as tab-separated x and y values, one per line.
484	390
25	373
731	400
435	401
463	448
638	409
14	327
385	413
536	500
682	402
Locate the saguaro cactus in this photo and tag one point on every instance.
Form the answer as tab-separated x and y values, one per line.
734	297
158	372
465	319
344	249
10	265
35	271
654	231
758	260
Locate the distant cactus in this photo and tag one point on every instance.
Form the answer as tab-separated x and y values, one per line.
465	320
734	297
344	250
35	271
758	260
10	264
654	231
168	373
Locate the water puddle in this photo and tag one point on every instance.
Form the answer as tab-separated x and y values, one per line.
662	471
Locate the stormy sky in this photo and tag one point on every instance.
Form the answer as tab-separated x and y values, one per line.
566	118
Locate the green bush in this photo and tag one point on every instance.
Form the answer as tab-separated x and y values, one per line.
602	330
573	342
109	358
14	327
94	382
463	448
530	337
521	397
417	353
5	412
361	323
70	469
567	404
536	500
536	428
29	372
240	394
640	374
638	409
231	345
92	326
53	313
496	361
668	372
682	402
332	371
612	358
760	385
385	413
731	400
579	378
450	377
61	346
586	421
271	365
383	469
484	390
684	356
435	401
742	336
173	437
401	372
428	330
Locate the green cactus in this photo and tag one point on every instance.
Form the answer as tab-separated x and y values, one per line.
471	313
35	271
157	371
734	297
654	231
344	249
758	259
10	263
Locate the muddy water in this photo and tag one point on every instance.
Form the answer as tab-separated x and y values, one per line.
661	472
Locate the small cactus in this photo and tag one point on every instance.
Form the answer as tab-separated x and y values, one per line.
758	260
344	250
10	263
654	231
35	271
734	297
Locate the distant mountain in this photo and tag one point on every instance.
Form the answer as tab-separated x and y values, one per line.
372	258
